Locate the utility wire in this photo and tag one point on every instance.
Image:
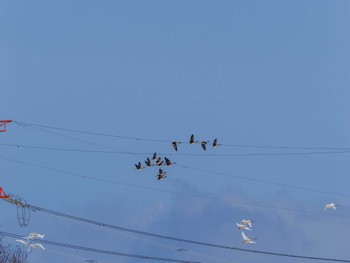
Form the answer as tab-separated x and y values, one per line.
115	227
175	192
176	154
101	251
26	124
69	137
265	181
197	169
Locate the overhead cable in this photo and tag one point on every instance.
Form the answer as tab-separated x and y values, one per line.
183	240
100	251
26	124
205	197
177	154
185	167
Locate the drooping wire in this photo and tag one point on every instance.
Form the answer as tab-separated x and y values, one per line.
174	192
176	154
264	181
166	246
69	137
26	124
183	240
100	251
192	168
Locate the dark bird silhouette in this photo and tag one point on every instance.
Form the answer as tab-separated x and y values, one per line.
161	174
138	166
159	162
148	162
192	141
168	162
204	144
174	144
215	143
154	156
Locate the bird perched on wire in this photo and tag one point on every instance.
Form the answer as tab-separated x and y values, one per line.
161	174
168	162
175	144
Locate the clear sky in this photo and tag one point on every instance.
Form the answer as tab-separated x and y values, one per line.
251	72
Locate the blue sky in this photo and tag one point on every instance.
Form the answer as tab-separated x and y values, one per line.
245	72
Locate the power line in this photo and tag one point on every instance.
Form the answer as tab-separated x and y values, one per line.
175	192
26	124
265	181
70	137
176	154
100	251
130	230
74	150
197	169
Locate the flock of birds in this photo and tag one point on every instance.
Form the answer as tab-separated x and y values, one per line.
193	141
246	224
155	161
28	241
158	161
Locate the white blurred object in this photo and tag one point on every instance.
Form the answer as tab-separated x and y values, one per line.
247	222
243	227
247	240
34	235
330	205
34	245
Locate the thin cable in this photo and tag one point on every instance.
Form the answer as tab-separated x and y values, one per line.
101	251
74	150
264	181
175	192
251	146
170	247
24	124
71	138
88	221
176	154
202	170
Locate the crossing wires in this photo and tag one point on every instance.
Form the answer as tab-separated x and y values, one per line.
251	146
100	251
172	238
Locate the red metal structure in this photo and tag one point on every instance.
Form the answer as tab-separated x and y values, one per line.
3	125
3	195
